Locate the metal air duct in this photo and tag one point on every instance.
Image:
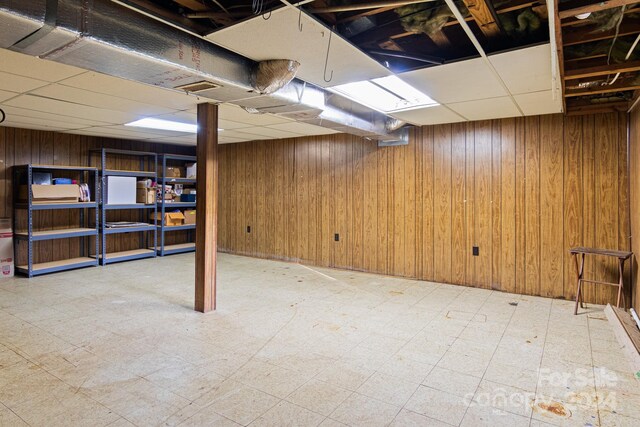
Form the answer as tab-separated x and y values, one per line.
106	37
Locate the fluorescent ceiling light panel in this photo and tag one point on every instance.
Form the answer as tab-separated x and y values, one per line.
151	123
386	94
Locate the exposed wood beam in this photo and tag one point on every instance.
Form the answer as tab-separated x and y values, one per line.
196	5
602	70
590	34
584	58
570	22
206	208
483	16
365	6
364	14
622	86
598	108
572	9
557	32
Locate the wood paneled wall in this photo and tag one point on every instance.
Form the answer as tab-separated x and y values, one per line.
634	183
523	190
22	146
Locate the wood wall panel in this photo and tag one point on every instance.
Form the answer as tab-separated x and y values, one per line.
634	201
524	190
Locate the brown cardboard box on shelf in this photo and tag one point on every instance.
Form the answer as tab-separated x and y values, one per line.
175	172
67	193
190	216
171	219
146	196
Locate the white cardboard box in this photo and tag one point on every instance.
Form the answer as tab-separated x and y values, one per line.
6	249
192	170
121	190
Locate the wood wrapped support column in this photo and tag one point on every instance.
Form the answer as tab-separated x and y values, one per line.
207	207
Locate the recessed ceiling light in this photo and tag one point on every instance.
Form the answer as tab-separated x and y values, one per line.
386	94
151	123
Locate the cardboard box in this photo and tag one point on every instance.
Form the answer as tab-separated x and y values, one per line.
190	216
174	172
51	193
146	196
6	249
192	171
170	218
188	198
121	190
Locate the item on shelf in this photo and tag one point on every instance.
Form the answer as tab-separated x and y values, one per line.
41	178
190	216
6	248
191	171
145	183
85	193
146	195
188	198
67	193
171	219
121	190
174	172
124	224
189	191
62	181
177	190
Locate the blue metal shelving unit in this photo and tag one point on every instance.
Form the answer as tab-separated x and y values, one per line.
164	206
23	175
148	163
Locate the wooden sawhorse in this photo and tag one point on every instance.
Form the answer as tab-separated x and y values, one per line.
622	256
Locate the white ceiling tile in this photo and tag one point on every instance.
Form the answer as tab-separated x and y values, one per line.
229	140
154	133
456	82
127	89
31	102
116	132
16	83
279	37
303	128
4	95
238	115
99	100
15	111
484	109
183	140
35	126
31	66
271	132
525	70
539	103
26	120
429	116
244	136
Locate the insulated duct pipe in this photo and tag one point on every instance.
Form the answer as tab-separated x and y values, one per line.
106	37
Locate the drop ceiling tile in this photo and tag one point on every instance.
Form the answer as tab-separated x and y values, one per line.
279	37
4	95
102	133
429	116
15	111
245	136
127	89
31	66
484	109
228	140
460	81
270	132
154	133
19	84
238	115
98	100
182	140
117	132
539	103
24	121
525	70
31	102
303	128
34	126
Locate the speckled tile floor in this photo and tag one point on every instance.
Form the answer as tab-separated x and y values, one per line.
299	346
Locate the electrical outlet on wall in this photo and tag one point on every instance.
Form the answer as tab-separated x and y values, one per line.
476	250
248	229
336	237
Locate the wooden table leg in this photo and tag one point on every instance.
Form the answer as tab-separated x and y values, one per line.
620	281
579	271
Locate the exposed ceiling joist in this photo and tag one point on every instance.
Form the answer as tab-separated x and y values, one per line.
616	87
602	70
483	15
196	5
572	9
610	107
590	34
